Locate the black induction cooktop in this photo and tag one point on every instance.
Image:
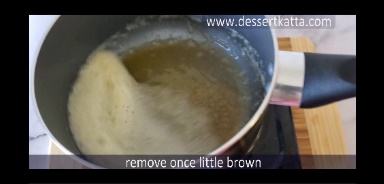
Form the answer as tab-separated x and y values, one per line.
277	143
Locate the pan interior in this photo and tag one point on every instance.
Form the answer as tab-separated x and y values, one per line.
189	94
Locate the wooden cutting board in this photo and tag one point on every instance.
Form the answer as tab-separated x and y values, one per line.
319	130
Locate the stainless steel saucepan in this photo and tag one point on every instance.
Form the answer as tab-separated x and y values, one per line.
304	80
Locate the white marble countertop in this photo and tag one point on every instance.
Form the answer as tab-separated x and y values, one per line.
38	27
340	40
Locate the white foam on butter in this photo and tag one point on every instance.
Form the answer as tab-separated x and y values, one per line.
110	113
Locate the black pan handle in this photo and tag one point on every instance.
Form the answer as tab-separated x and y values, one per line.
328	78
310	80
